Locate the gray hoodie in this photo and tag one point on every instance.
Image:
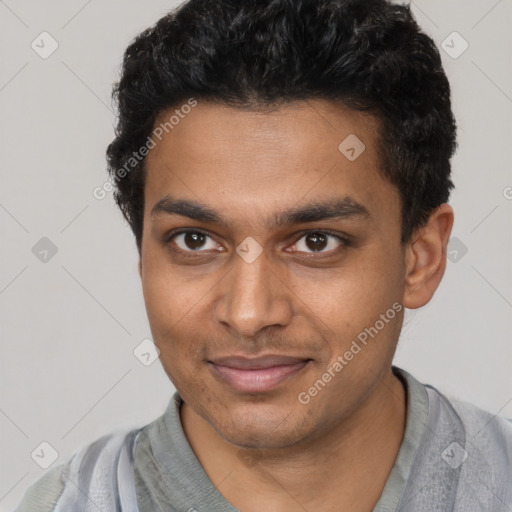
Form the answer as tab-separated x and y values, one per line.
454	457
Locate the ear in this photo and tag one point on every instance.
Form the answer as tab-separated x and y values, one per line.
139	266
425	257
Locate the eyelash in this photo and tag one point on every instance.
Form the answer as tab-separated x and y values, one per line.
345	241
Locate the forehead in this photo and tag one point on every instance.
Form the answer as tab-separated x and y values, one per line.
244	162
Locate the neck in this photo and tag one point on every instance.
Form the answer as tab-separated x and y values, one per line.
346	467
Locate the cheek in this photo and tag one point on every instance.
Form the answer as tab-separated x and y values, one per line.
168	298
173	305
360	287
166	310
354	299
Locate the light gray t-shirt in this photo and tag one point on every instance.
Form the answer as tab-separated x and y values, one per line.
454	457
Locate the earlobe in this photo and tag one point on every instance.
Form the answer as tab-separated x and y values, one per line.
425	257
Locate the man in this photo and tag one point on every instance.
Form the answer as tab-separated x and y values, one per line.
285	169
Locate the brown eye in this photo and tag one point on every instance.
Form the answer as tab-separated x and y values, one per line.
316	241
319	242
193	241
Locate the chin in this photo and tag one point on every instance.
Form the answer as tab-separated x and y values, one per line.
262	426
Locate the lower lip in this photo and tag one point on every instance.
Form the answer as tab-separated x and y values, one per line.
257	381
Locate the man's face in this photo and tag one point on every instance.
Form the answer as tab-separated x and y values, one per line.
254	305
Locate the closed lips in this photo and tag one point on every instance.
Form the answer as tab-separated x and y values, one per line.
259	362
259	374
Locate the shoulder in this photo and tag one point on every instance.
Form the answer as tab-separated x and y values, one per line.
90	468
483	427
482	458
489	434
43	495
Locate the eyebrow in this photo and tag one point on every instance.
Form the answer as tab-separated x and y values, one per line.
336	209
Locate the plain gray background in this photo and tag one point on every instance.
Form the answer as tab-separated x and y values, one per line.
69	325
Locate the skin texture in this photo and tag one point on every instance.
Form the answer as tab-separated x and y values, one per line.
269	451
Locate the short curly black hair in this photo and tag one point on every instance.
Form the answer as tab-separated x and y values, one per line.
369	55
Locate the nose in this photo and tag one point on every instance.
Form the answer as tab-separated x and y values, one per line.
253	296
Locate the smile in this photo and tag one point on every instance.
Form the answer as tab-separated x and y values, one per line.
257	375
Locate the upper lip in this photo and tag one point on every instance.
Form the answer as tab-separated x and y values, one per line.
257	363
